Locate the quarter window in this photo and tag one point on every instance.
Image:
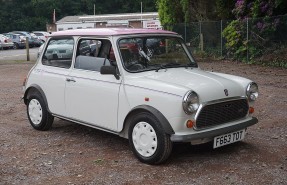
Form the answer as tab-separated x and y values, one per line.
59	53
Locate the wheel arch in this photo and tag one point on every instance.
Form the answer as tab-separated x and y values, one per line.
146	108
35	89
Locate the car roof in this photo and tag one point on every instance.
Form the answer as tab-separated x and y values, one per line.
3	36
19	32
22	33
110	32
40	32
10	33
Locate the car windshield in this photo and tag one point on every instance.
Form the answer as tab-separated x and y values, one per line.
154	53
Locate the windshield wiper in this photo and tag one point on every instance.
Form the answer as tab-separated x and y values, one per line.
164	66
189	65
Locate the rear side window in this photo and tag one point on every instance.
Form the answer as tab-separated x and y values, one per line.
59	53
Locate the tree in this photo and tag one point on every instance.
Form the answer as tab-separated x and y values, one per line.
173	12
170	12
223	9
34	14
261	28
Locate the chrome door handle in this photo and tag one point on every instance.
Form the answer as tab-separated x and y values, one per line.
70	80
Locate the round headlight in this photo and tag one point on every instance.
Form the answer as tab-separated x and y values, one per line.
252	91
190	102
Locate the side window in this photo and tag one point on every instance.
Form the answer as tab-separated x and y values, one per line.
59	53
92	54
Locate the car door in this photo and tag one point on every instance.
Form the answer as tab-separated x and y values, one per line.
92	98
51	75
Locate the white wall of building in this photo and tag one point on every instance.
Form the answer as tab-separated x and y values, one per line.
72	26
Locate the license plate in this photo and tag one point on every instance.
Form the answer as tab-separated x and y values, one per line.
228	138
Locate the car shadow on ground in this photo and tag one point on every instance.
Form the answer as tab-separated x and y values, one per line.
185	152
181	153
80	131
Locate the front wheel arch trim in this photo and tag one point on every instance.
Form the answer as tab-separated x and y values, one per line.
146	108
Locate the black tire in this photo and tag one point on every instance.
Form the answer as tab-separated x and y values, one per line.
16	46
146	122
37	113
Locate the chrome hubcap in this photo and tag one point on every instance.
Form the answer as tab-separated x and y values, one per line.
144	139
35	111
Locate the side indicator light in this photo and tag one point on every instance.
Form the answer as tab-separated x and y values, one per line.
189	124
146	99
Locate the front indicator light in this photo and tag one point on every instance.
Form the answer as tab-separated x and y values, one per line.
251	110
189	124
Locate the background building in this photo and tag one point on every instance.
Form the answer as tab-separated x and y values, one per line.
132	20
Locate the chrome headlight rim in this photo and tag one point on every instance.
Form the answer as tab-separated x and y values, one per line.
252	91
190	102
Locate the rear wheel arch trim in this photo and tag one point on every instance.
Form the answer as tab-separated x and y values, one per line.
146	108
36	88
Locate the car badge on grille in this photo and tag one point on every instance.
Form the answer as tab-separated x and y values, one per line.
226	92
227	105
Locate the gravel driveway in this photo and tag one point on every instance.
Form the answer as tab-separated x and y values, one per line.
73	154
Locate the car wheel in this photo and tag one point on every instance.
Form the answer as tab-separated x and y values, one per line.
37	112
147	138
16	46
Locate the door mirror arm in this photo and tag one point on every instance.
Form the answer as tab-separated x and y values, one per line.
110	70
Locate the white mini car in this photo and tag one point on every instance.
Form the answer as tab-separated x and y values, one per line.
140	84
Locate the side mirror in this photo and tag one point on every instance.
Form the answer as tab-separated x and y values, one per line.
110	70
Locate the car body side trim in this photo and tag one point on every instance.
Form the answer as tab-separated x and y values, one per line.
86	124
80	77
153	90
73	76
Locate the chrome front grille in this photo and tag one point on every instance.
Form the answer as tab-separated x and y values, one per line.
219	113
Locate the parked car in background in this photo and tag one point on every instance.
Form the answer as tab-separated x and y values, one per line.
6	42
42	35
37	41
26	34
66	46
59	49
18	40
154	99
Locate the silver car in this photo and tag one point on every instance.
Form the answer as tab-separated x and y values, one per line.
6	42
